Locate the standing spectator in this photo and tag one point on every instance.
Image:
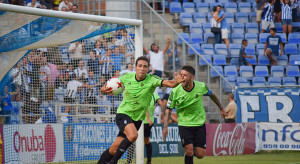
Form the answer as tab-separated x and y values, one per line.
267	20
47	3
129	68
224	25
157	58
76	52
277	10
99	49
16	2
243	55
286	17
74	8
117	59
93	64
259	11
271	46
80	71
35	4
294	9
91	91
65	3
106	64
230	109
214	22
44	74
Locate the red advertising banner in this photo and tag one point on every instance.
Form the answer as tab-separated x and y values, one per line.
1	144
230	139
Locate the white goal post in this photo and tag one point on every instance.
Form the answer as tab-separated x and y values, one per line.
138	24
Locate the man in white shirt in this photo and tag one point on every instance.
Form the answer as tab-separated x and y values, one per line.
65	3
81	72
76	52
157	58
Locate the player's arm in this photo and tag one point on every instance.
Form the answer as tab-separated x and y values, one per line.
162	106
166	123
146	50
173	83
167	46
148	118
214	98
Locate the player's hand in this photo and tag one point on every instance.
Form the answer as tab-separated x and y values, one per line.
150	123
178	77
165	132
106	90
223	113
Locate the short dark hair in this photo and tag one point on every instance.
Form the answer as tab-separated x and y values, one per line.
189	69
75	5
273	29
231	95
244	41
142	58
214	8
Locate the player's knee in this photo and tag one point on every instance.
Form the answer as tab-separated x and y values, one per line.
200	156
132	137
189	152
147	140
268	52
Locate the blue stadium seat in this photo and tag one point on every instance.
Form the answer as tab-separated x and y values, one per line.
196	38
230	18
185	36
274	81
242	17
246	72
242	82
282	60
219	60
260	49
230	7
252	28
212	4
292	71
196	28
209	17
245	7
252	61
296	25
221	49
224	1
278	27
206	27
207	49
283	37
227	87
261	71
294	59
230	71
250	49
237	37
203	7
289	81
252	17
175	7
234	50
237	28
251	37
259	81
263	37
213	73
196	47
186	19
294	38
210	1
208	36
188	7
234	62
263	60
208	59
277	71
290	49
200	17
197	1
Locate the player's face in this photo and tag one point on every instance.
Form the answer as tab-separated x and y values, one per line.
141	69
187	78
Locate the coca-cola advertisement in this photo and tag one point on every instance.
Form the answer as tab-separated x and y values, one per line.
230	139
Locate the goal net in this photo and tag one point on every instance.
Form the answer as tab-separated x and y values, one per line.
53	65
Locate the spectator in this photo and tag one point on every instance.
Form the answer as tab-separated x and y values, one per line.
4	1
267	20
74	9
271	46
129	68
157	58
65	3
64	9
91	91
76	52
286	17
44	74
214	22
47	3
117	59
230	109
56	4
277	10
294	9
106	65
170	57
80	71
16	2
35	4
259	11
93	64
243	55
6	106
224	26
99	49
111	43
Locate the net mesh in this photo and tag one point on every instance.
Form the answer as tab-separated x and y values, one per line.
51	105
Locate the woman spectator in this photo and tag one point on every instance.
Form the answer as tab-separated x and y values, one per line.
277	11
286	17
215	14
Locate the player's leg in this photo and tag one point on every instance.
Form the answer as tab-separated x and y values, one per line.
200	141
148	145
187	137
108	154
189	154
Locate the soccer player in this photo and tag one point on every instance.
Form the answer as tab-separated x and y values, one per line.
139	88
191	114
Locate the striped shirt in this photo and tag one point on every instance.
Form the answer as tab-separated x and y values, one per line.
286	11
268	13
105	67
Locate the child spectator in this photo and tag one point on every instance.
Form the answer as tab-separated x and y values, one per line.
243	55
271	46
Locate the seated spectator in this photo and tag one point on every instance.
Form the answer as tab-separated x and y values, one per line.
35	4
267	20
6	106
117	59
91	91
286	17
44	75
65	3
74	9
271	47
129	68
111	43
47	3
243	55
93	64
106	64
64	9
80	71
56	4
99	49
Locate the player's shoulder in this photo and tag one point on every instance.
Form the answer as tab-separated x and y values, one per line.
199	83
153	76
127	75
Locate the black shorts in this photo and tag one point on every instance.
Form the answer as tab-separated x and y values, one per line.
122	120
195	135
147	130
69	100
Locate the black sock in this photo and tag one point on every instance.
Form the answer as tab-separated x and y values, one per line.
105	157
188	159
121	150
130	153
149	152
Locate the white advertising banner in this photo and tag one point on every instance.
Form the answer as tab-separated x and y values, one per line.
37	143
278	136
